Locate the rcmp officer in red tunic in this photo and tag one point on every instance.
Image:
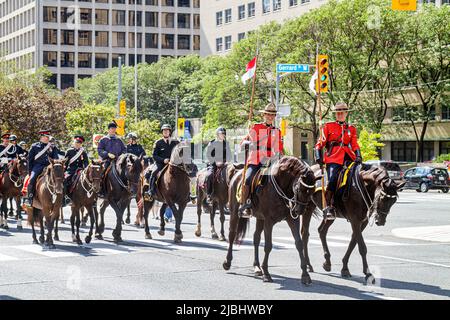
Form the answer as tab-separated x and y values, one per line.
264	141
340	140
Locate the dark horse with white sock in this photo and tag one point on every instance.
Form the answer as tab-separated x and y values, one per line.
371	195
284	196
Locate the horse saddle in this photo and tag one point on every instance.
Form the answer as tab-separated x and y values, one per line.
161	173
259	180
344	182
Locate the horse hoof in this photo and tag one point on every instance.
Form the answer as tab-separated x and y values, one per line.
345	273
50	246
35	241
214	236
161	232
19	228
306	280
258	272
226	265
41	240
56	238
63	222
310	268
148	236
222	238
198	233
327	267
137	225
118	239
267	278
370	279
99	237
6	227
127	221
87	239
177	238
83	224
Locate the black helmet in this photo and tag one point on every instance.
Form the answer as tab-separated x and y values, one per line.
166	126
12	137
221	130
132	135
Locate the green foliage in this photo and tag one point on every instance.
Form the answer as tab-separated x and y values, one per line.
442	158
369	144
147	131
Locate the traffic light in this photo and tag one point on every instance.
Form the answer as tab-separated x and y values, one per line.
323	76
123	108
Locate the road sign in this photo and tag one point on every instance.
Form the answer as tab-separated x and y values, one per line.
180	130
120	127
293	68
123	108
404	5
284	110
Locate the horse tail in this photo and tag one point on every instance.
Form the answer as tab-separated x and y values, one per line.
241	229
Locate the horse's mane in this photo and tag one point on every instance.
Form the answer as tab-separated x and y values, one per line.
374	173
292	166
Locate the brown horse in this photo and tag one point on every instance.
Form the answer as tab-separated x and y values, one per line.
173	190
84	195
121	185
47	200
284	196
219	196
10	187
371	195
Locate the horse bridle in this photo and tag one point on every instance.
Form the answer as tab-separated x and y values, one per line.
85	178
18	182
122	184
52	184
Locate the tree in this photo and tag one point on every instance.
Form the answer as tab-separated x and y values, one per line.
148	131
369	144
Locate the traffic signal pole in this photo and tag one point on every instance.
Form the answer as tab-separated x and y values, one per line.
324	204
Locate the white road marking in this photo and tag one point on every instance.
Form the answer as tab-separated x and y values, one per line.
37	249
413	261
315	241
428	233
376	242
4	257
380	296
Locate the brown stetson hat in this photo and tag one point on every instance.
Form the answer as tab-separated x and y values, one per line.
270	109
340	107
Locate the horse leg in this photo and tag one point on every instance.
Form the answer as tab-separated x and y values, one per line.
357	228
178	214
19	214
198	228
119	209
127	220
306	220
11	207
61	212
147	207
323	230
162	224
41	220
31	220
294	225
78	223
234	219
4	211
211	217
84	217
90	212
222	222
72	223
268	227
56	237
256	242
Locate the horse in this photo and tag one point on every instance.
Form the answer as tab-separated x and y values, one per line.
219	196
122	182
172	189
84	195
371	195
10	187
47	201
284	196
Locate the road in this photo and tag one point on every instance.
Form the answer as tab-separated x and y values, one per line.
410	258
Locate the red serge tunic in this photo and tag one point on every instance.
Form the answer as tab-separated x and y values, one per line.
339	139
266	142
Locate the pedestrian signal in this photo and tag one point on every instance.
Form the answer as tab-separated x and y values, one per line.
123	108
324	78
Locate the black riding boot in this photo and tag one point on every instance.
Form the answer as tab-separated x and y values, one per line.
152	188
330	211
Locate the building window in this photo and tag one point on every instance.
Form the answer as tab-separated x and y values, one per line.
84	60
219	18
101	60
67	81
131	59
184	42
118	39
403	151
67	60
136	2
241	12
276	5
241	36
101	1
114	1
151	40
115	59
228	16
293	3
50	36
167	3
446	112
196	3
151	19
50	14
219	44
444	147
184	3
131	37
101	38
167	41
167	20
196	42
101	16
151	2
266	6
251	9
67	37
118	17
151	58
184	20
85	16
227	42
49	58
84	38
131	21
196	21
428	150
66	13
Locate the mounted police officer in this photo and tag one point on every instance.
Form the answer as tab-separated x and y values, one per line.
264	141
8	151
38	157
77	159
218	153
340	140
161	156
110	147
19	150
133	147
54	143
24	147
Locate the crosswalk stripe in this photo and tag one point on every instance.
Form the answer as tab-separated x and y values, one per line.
316	242
4	257
54	253
367	241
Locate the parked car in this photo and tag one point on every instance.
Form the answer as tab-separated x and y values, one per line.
393	169
423	179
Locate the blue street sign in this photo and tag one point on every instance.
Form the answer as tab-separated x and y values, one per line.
298	68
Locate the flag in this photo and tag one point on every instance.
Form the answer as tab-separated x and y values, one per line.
313	83
251	71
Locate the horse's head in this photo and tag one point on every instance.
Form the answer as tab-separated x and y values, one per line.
132	167
22	166
56	174
181	157
94	174
304	188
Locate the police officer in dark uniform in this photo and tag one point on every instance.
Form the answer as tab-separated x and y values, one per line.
61	153
19	151
23	146
161	156
77	159
6	152
133	147
218	153
38	157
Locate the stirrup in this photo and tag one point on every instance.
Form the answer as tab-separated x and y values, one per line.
245	209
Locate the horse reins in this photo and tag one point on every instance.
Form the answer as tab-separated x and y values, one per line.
84	178
52	184
19	180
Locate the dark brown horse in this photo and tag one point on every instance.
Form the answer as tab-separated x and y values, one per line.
173	190
284	196
11	187
219	196
121	185
47	200
371	195
84	195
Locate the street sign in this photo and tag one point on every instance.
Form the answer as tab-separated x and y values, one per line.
180	130
404	5
123	108
293	68
120	127
284	110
